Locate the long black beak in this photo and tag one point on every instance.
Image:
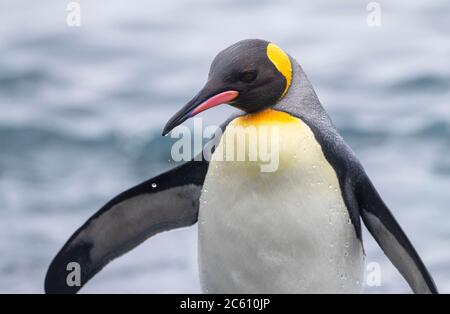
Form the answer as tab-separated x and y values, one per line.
204	100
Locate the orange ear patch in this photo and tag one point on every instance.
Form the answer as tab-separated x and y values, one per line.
282	62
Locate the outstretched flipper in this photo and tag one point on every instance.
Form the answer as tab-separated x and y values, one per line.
391	238
168	201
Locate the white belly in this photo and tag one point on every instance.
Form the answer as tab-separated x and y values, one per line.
286	231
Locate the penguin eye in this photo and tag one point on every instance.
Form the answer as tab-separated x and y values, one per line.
247	76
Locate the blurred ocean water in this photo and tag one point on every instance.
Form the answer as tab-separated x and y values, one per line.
82	109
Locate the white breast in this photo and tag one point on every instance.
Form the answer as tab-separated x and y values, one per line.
286	231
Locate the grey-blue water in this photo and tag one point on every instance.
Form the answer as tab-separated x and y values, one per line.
82	108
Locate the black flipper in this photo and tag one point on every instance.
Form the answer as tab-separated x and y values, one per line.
391	238
168	201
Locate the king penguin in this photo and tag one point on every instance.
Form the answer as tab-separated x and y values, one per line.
296	229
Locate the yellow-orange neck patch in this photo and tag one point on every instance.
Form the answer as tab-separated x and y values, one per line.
265	117
282	62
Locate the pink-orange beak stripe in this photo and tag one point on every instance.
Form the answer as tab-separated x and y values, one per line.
215	100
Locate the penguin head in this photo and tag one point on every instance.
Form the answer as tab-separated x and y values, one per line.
251	75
